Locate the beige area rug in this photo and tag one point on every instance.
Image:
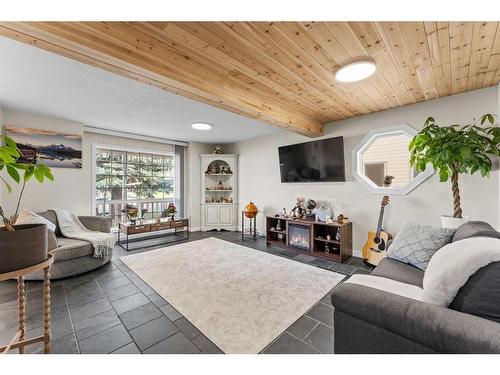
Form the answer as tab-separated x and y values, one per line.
240	298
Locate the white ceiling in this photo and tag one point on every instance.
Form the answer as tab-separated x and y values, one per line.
34	80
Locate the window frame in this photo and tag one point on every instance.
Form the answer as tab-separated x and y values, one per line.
128	149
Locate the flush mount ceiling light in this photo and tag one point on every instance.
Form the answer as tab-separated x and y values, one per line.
355	71
201	126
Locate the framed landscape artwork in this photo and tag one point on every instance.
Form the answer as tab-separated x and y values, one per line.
53	148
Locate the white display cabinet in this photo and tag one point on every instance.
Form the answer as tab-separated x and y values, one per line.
219	192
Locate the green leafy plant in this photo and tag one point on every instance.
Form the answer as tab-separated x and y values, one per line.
19	173
454	150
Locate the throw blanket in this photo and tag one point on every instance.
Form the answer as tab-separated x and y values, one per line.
71	227
387	285
453	264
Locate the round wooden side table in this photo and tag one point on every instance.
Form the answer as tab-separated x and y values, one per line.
19	341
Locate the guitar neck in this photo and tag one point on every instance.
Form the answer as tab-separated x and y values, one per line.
380	218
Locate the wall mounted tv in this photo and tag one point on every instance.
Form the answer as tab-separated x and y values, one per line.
317	161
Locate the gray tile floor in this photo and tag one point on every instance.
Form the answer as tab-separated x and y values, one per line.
111	310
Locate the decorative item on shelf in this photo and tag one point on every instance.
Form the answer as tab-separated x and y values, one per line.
171	210
328	237
337	235
323	212
298	211
327	248
217	169
218	150
250	211
283	213
209	170
310	206
228	170
388	180
341	219
278	226
220	185
132	213
328	220
21	245
273	228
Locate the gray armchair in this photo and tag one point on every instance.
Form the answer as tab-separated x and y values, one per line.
72	257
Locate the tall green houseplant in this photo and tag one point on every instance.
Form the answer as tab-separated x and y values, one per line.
454	150
19	173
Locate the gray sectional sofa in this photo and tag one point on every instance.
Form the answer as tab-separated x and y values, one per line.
369	320
72	257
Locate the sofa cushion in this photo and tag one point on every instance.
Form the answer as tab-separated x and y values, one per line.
481	294
70	249
475	229
51	216
415	244
395	270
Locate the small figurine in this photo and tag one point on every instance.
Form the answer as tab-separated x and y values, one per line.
283	213
337	235
328	237
327	249
220	186
341	219
328	220
218	149
217	169
278	226
297	212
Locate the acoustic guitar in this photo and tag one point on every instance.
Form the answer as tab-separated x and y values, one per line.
376	244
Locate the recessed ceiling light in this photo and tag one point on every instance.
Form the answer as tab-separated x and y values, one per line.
355	71
201	126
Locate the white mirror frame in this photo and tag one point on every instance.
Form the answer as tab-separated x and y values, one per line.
357	161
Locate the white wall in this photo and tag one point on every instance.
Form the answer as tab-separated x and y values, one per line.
259	177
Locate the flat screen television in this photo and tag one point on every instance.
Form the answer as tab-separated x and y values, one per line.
317	161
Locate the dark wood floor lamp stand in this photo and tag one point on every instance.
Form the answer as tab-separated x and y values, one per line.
19	341
252	230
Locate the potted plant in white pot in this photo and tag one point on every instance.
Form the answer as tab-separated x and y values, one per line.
454	150
20	245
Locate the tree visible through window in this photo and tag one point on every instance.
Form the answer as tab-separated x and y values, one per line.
125	179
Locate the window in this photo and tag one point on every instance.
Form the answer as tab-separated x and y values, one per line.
127	180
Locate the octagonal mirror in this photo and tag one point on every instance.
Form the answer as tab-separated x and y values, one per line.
381	161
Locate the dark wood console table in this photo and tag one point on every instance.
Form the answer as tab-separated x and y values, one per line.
151	226
316	238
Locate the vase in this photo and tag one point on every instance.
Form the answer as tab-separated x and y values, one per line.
23	247
450	222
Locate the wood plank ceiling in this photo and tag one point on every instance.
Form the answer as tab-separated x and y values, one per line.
283	72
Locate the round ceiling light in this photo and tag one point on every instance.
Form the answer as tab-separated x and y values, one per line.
201	126
355	71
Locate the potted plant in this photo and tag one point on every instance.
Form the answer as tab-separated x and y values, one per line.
171	210
454	150
20	245
388	180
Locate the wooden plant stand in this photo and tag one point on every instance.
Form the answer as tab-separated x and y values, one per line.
19	341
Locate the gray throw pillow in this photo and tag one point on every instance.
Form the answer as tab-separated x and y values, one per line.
475	229
415	244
